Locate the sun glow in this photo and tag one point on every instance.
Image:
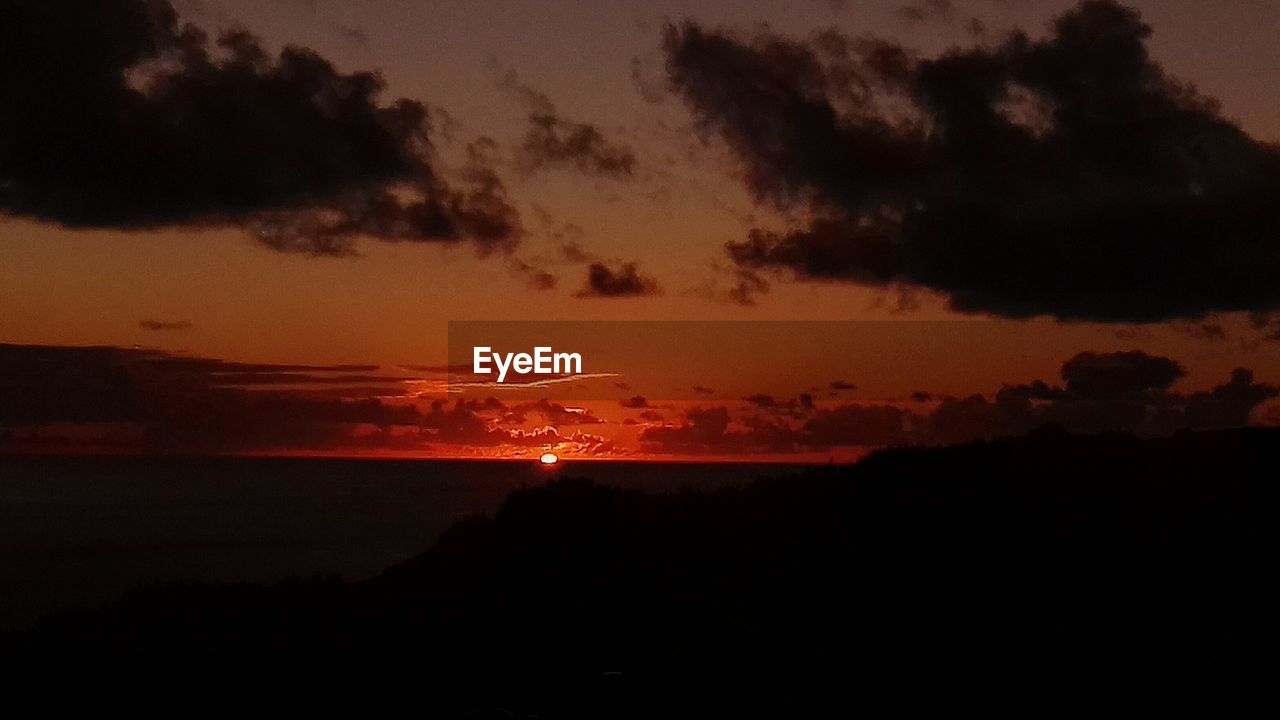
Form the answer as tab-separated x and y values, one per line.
549	459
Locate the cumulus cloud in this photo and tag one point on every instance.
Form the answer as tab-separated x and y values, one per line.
117	115
1067	175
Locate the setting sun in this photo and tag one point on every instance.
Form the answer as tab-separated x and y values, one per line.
549	459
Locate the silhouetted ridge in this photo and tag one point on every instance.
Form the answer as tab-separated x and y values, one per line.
1044	575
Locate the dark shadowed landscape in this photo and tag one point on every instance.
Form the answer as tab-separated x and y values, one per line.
681	358
1052	573
79	531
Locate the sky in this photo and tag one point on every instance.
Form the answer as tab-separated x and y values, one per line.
190	185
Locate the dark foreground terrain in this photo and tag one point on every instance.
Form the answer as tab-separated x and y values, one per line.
1045	575
77	532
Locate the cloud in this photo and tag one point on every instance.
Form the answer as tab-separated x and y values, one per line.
151	401
134	400
535	277
573	252
1211	331
637	401
552	140
714	431
117	115
1126	391
858	425
355	34
926	10
649	88
1090	374
1066	175
160	402
703	430
1123	391
554	413
747	286
158	325
622	281
841	385
1229	404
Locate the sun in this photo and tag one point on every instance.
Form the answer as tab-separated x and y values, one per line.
549	458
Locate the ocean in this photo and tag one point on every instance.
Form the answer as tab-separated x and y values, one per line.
80	531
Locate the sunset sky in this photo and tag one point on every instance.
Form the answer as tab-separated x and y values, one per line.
243	247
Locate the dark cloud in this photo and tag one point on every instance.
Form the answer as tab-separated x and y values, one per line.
166	403
535	277
714	431
747	286
1092	374
840	385
796	407
703	430
926	10
114	114
130	400
552	140
866	425
573	252
1212	331
1067	175
650	89
216	368
763	401
1123	391
1126	391
638	401
245	379
1229	404
158	325
151	401
355	34
552	412
621	281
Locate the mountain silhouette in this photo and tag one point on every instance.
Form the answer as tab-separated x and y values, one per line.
1049	574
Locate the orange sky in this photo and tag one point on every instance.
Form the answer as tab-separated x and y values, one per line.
391	306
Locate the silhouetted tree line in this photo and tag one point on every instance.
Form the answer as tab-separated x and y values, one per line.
1052	574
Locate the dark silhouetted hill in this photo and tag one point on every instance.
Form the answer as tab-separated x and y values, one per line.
1052	574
